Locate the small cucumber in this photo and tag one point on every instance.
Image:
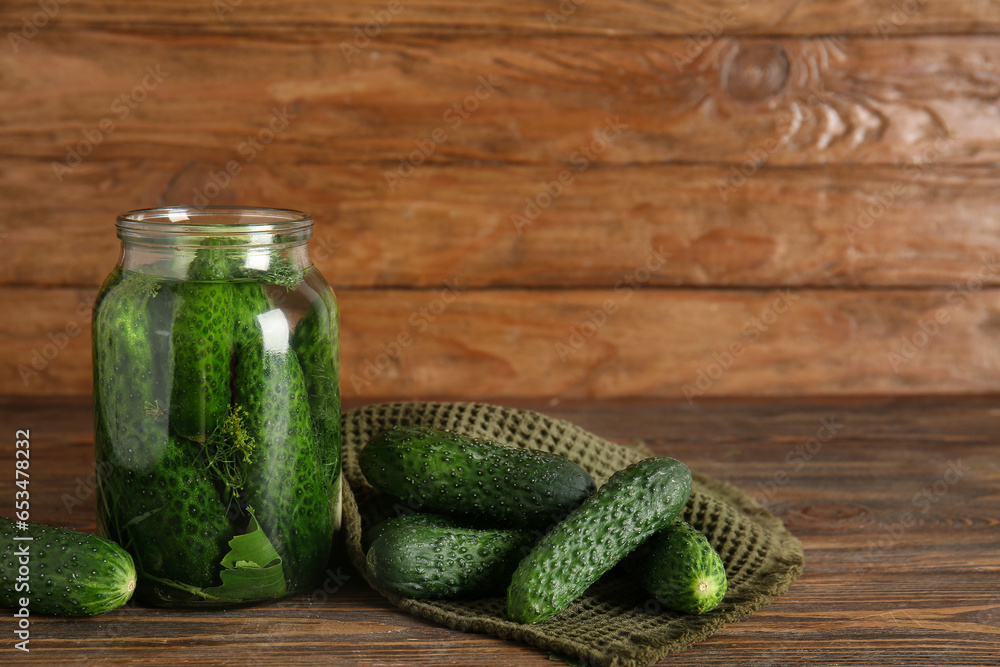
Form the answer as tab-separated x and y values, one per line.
202	340
131	397
481	480
316	343
203	345
286	484
634	504
683	571
170	517
369	536
62	572
431	561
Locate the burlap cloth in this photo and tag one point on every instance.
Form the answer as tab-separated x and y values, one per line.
615	623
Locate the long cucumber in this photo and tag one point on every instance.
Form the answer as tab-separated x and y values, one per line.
286	485
633	505
131	357
202	338
316	343
481	480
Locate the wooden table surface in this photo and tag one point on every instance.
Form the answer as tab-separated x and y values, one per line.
897	503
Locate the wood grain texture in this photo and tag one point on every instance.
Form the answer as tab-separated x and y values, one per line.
834	145
620	17
831	227
492	98
873	592
628	342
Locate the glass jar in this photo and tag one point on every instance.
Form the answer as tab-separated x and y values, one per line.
217	406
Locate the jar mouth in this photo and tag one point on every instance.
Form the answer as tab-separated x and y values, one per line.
191	225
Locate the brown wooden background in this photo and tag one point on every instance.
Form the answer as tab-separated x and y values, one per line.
801	198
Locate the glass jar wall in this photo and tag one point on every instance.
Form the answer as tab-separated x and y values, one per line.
217	406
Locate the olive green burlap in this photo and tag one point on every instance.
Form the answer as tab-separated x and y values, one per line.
614	623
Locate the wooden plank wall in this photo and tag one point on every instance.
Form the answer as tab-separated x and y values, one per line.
585	198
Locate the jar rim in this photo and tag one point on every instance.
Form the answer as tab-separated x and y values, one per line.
199	222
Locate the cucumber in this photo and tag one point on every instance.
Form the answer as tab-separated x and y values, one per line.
432	561
202	342
316	343
129	357
170	517
417	519
683	571
155	494
286	485
635	503
480	480
62	572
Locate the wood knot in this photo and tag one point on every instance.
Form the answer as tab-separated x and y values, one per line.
756	72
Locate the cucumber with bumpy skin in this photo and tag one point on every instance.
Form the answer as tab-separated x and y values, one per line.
633	504
71	573
369	536
286	485
129	359
170	517
155	494
202	340
481	480
317	347
683	571
432	561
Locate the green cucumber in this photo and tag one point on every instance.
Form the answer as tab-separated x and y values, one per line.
170	517
633	505
62	572
481	480
202	341
317	347
416	519
155	494
286	484
683	571
131	397
431	561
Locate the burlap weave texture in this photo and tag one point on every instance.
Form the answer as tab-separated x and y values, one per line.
615	623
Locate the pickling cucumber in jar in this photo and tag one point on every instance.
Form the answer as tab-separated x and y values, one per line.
217	406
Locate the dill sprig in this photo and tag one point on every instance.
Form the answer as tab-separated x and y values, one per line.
230	449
